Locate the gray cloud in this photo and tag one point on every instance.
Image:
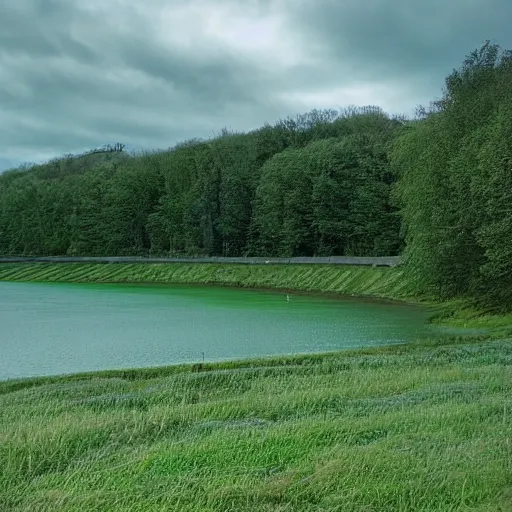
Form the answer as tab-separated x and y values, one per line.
403	38
75	75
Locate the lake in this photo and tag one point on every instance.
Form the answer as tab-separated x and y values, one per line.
55	328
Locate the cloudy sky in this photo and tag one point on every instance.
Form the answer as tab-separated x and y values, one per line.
77	74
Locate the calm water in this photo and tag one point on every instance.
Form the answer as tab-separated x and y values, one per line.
49	329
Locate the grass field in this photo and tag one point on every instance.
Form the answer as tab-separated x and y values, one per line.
413	428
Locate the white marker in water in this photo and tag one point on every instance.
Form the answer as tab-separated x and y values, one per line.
287	297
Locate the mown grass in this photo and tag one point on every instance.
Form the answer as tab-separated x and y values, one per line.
378	282
423	427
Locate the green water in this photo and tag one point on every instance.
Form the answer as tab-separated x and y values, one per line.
50	329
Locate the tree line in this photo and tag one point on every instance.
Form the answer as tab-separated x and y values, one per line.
355	182
318	184
454	183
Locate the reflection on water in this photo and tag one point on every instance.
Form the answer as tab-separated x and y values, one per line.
49	329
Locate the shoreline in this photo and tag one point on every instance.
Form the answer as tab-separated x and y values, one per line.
297	359
439	314
386	284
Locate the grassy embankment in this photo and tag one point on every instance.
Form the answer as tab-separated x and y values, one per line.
380	282
384	283
418	427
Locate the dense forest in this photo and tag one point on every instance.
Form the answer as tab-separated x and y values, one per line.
359	182
318	184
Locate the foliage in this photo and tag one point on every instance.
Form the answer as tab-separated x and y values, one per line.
206	197
455	184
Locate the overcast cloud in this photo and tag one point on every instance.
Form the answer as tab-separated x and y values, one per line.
76	74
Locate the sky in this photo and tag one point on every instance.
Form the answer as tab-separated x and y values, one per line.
79	74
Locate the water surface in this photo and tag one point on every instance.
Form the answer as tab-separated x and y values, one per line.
55	328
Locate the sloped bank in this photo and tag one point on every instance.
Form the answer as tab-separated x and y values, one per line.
352	280
373	282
